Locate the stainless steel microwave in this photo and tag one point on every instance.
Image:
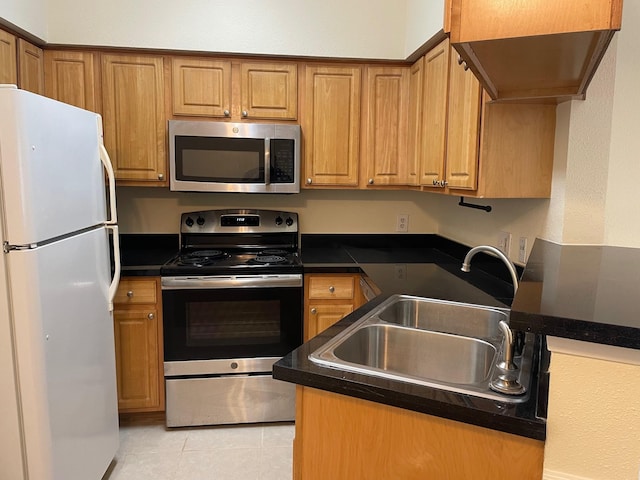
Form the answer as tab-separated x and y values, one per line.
234	157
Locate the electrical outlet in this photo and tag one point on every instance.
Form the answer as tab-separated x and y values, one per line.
522	250
504	242
402	222
400	272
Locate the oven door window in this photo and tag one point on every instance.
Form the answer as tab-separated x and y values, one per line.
219	159
228	323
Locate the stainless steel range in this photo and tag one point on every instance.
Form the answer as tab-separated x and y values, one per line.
232	306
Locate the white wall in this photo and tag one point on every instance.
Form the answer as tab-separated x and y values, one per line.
622	211
424	19
334	28
29	15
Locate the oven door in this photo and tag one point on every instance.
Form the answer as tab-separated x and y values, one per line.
231	317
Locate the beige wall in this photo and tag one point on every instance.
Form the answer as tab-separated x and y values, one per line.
593	427
142	210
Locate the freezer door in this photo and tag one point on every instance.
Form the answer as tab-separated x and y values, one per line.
65	354
52	179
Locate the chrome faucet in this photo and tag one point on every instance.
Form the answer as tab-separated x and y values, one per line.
507	380
466	267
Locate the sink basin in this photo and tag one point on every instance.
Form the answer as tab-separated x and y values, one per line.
447	317
448	345
419	354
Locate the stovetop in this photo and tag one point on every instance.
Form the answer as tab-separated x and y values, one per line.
233	242
225	262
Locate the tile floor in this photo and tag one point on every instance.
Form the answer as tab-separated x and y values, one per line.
239	452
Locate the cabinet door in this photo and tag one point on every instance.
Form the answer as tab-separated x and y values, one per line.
137	358
8	64
70	77
463	128
201	87
269	90
434	116
134	117
385	126
30	67
331	125
322	316
414	139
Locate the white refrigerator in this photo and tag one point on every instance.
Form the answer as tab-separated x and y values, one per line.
58	400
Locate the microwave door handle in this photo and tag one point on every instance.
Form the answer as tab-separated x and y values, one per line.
267	161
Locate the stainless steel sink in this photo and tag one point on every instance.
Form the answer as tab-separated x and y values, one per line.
447	317
448	345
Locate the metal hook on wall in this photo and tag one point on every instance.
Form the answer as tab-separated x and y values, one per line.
462	203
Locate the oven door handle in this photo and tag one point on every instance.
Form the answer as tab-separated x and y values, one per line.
231	281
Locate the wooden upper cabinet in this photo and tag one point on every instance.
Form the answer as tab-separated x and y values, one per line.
435	98
134	117
331	125
546	50
8	53
385	126
30	67
414	135
451	122
201	87
269	90
69	76
463	128
238	91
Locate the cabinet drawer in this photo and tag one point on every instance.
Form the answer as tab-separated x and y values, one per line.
331	287
133	291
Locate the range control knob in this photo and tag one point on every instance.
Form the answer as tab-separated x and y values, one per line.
289	221
189	222
278	220
200	221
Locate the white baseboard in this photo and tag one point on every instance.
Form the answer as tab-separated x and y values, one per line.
552	475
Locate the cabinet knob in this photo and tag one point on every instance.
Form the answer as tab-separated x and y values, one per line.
245	114
314	311
151	316
443	183
227	113
309	181
435	182
332	289
130	293
161	176
460	61
371	181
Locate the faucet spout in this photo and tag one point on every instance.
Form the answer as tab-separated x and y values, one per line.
466	264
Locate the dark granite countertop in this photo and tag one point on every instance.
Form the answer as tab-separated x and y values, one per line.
423	265
427	266
144	254
587	293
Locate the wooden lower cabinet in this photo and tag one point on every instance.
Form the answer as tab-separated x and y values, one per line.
138	339
327	299
341	437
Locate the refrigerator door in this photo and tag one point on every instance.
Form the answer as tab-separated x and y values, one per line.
11	457
64	347
50	169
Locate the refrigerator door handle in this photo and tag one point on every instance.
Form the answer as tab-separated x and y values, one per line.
116	259
106	161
